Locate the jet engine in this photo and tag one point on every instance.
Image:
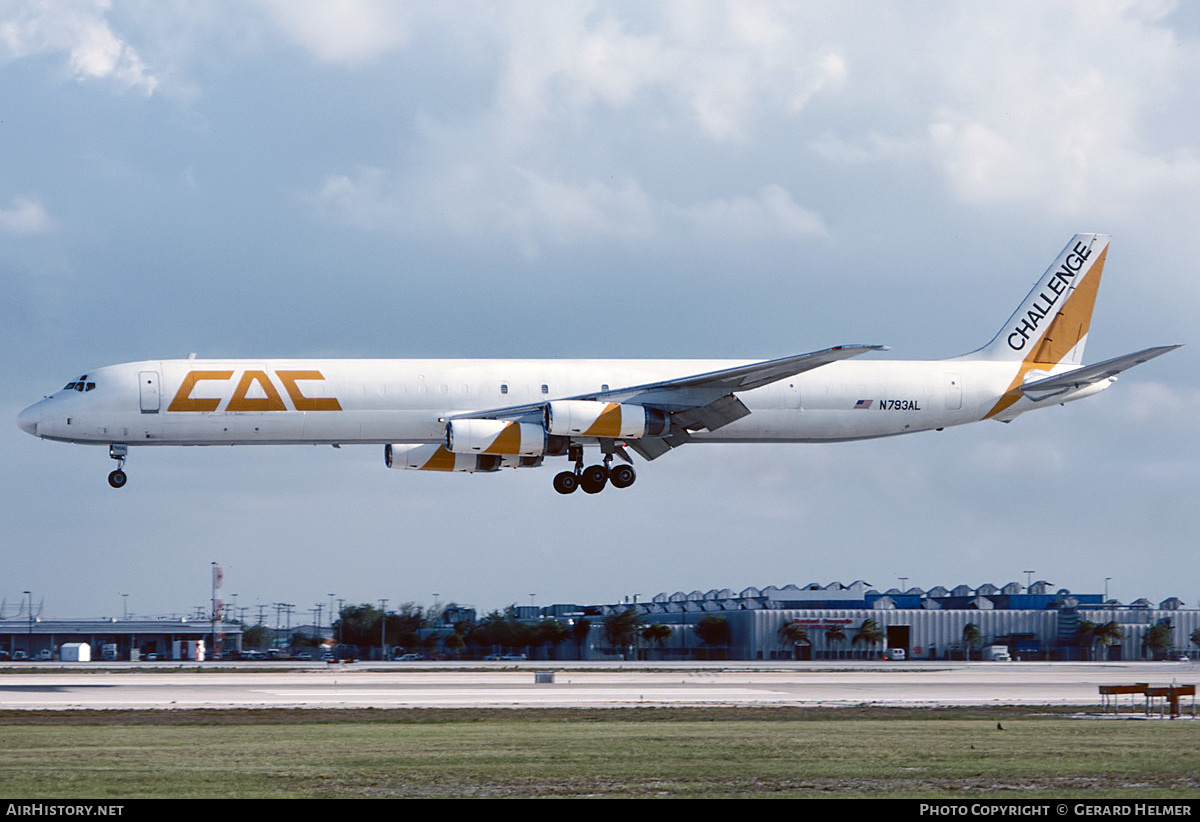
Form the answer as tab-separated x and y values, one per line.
434	457
504	437
608	420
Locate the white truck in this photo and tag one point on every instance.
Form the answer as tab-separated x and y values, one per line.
76	652
996	653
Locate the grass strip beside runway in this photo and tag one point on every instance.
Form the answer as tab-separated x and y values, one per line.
706	752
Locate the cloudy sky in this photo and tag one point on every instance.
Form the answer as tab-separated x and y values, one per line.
574	179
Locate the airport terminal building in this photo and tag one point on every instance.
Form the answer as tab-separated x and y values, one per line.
828	621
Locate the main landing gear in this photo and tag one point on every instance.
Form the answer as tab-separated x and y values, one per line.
118	452
593	478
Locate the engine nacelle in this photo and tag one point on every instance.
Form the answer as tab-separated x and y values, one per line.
435	457
501	437
607	420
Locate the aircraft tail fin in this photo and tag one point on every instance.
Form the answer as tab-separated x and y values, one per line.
1050	327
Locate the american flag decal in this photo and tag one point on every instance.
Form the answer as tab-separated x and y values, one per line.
863	404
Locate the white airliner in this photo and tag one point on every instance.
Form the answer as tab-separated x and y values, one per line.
483	415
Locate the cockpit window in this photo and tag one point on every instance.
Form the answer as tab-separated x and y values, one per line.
80	384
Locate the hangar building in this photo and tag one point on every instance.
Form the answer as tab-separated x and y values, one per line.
1038	622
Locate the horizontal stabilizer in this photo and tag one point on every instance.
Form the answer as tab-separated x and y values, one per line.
1090	374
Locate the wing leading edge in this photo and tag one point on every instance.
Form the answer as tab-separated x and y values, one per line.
695	402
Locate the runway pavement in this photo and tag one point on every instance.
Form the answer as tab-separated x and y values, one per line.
575	685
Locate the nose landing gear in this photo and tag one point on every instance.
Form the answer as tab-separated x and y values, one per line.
118	452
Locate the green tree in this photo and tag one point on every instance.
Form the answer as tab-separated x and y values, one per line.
1158	639
257	637
1108	633
869	633
358	625
794	634
300	640
1085	637
971	638
495	632
547	633
835	635
714	632
454	644
404	625
621	628
1195	637
579	632
657	635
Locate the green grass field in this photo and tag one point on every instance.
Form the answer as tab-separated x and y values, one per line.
603	753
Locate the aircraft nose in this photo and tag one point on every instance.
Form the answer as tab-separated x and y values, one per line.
28	419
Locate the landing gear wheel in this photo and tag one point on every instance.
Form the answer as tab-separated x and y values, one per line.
566	482
594	478
622	476
117	478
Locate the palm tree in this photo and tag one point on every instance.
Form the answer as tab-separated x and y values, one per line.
834	634
657	634
579	631
1158	639
794	634
869	633
971	638
1108	633
1085	637
621	627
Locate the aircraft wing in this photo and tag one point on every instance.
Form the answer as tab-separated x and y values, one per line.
698	401
1089	374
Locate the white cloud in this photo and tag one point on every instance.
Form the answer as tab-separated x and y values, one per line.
533	209
346	32
24	216
1059	113
723	68
1156	403
770	213
80	29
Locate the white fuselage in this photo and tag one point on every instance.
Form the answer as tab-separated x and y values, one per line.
326	401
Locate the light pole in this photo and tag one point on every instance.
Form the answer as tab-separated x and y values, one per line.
382	628
125	606
29	638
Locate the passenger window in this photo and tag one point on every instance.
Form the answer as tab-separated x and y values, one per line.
503	388
545	388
